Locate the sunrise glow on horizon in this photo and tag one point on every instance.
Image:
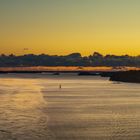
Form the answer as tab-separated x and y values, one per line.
59	27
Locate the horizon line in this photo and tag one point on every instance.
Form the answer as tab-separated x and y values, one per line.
37	54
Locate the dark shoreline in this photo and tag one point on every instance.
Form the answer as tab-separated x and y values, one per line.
132	76
126	76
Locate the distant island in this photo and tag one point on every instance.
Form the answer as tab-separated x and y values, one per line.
74	59
123	68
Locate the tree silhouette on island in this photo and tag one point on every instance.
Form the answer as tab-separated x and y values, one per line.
74	59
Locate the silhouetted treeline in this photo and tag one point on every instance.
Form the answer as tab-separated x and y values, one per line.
74	59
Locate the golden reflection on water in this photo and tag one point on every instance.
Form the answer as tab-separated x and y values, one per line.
20	109
34	108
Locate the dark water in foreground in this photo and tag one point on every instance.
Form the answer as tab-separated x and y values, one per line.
32	107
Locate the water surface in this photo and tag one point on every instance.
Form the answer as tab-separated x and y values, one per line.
32	107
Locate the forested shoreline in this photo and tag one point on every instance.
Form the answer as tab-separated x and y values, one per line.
74	59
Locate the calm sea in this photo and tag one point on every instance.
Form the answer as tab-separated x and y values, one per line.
33	107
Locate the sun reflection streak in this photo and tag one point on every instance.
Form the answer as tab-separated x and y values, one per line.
21	109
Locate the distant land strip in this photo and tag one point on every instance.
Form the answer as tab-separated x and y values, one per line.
74	59
65	69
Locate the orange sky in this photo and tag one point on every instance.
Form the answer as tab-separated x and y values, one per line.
66	26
